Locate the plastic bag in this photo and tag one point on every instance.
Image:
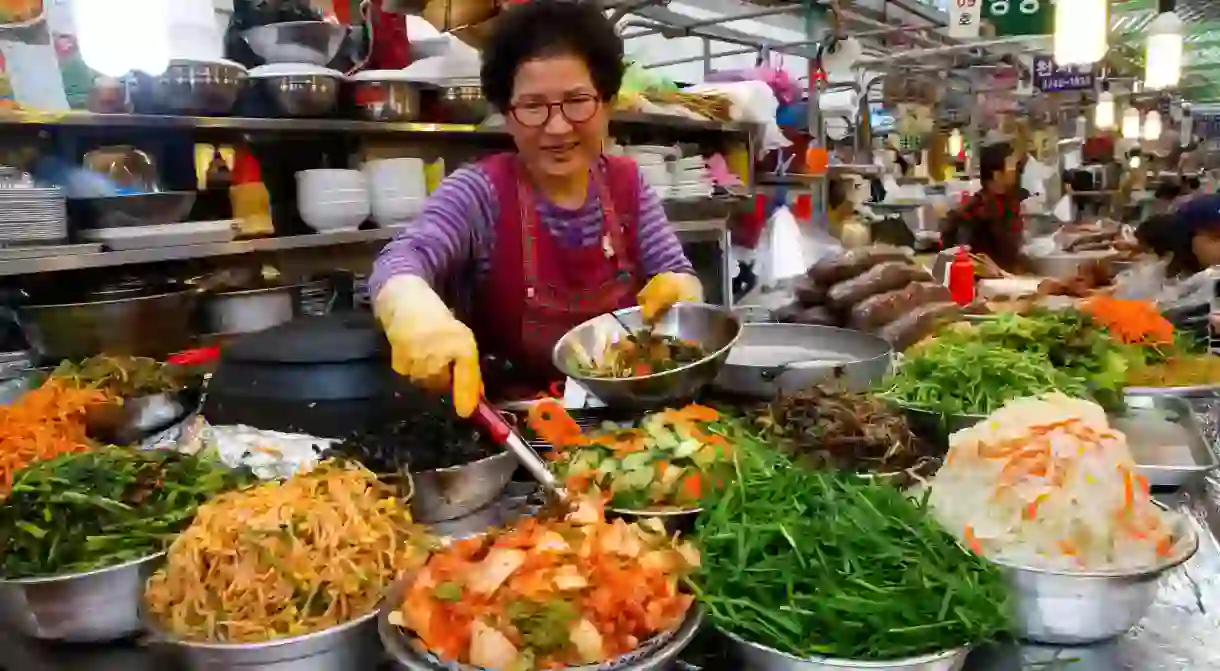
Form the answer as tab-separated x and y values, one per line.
781	256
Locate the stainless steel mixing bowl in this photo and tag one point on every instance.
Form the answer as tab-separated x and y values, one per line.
463	104
90	607
298	95
713	327
314	42
449	493
195	87
761	658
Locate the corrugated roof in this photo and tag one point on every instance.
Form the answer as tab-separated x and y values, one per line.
1130	19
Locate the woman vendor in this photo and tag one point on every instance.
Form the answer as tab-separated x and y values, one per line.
990	222
528	244
1188	240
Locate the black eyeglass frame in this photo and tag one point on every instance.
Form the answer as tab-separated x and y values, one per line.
551	107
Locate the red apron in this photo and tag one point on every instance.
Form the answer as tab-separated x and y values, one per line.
536	290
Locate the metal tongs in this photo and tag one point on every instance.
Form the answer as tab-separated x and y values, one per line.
503	434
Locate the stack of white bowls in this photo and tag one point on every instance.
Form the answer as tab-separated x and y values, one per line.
398	189
653	161
690	178
333	200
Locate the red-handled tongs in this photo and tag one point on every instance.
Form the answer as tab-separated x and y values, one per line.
503	434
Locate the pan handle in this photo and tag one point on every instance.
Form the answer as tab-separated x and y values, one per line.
773	373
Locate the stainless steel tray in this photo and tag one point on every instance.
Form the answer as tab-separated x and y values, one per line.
1197	391
1180	412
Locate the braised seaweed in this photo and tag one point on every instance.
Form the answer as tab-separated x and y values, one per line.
420	432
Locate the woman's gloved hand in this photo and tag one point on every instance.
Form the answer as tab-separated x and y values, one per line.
665	289
428	344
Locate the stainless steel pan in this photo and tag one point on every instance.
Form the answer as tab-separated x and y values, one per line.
773	358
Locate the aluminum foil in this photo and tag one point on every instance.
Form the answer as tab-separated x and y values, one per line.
1181	629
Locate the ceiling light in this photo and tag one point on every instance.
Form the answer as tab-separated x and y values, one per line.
104	33
1103	114
1152	126
1082	30
1131	124
1163	57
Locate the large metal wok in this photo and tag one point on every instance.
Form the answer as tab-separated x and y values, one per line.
772	358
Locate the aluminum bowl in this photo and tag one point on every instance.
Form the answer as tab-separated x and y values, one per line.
90	607
301	95
386	100
449	493
314	42
1061	607
192	87
351	645
463	104
144	209
761	658
654	655
713	327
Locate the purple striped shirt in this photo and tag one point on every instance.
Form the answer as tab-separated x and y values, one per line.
457	229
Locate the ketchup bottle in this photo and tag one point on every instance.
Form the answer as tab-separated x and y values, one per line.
961	277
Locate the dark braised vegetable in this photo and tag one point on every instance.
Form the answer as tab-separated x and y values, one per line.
645	353
838	430
123	376
420	434
96	509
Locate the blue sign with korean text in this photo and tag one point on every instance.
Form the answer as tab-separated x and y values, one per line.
1050	78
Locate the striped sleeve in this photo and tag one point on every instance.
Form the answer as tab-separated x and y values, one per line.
454	230
658	246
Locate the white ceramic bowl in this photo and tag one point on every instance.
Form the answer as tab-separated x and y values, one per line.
393	211
321	180
397	177
325	217
332	195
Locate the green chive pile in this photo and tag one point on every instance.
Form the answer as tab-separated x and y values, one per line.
92	510
820	565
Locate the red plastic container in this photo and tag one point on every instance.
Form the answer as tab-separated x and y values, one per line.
961	277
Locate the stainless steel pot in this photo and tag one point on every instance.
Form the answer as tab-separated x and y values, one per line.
192	87
387	100
152	325
773	358
250	310
300	95
463	104
89	607
761	658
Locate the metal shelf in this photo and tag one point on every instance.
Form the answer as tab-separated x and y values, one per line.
252	124
691	231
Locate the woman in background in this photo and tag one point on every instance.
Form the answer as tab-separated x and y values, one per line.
990	223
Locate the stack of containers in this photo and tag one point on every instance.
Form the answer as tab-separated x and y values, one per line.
654	166
690	178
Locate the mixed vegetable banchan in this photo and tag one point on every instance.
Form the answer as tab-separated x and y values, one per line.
642	353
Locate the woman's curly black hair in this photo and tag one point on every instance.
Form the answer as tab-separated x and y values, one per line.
540	28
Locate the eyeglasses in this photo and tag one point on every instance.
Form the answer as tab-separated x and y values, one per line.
576	109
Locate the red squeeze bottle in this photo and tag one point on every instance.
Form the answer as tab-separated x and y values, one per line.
961	278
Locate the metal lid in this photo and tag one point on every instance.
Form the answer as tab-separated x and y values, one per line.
333	338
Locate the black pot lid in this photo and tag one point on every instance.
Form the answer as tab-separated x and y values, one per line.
333	338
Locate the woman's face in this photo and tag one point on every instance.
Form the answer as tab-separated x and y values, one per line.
570	140
1206	246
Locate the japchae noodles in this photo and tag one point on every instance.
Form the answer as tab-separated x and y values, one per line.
286	558
644	353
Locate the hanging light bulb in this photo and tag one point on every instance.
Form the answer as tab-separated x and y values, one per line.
1081	31
104	33
1131	124
1163	58
1152	126
955	144
1135	161
1103	114
1082	127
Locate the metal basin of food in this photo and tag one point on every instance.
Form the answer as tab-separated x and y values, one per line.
654	655
449	493
351	645
762	658
1061	607
712	327
1064	265
772	358
152	325
89	607
314	42
191	87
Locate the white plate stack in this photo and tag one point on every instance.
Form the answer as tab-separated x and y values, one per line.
654	165
691	178
32	215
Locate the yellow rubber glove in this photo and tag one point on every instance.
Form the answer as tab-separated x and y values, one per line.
427	343
665	289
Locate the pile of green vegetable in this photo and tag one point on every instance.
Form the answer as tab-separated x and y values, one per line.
822	565
975	370
91	510
124	376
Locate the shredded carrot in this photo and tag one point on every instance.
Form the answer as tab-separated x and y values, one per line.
43	424
1131	322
